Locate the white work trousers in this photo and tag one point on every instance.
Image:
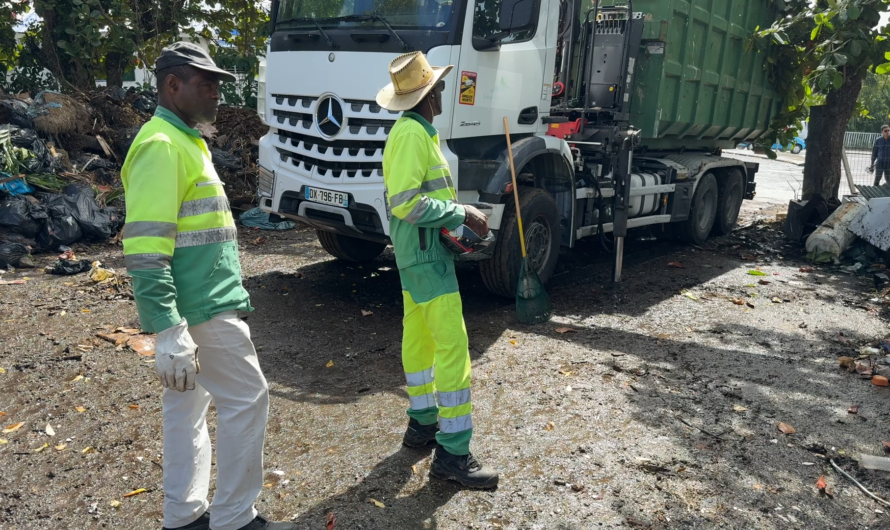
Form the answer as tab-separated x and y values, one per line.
230	376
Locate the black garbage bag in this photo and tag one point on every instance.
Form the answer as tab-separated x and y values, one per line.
62	227
67	267
9	237
21	216
117	93
43	161
15	255
125	140
144	104
89	163
222	159
79	202
77	188
15	112
23	137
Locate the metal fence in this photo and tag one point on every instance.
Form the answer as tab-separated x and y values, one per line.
860	160
860	140
858	147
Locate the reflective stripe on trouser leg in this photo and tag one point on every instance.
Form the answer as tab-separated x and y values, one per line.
444	318
417	361
432	288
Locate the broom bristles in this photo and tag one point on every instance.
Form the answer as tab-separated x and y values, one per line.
532	303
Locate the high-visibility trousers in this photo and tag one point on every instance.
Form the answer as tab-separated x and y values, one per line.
435	353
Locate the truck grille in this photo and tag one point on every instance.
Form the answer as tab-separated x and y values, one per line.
357	151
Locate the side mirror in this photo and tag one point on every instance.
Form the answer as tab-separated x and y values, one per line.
518	15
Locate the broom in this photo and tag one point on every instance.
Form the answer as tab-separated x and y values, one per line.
532	304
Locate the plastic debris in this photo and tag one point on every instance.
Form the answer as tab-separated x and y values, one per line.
879	463
102	275
257	218
14	185
69	267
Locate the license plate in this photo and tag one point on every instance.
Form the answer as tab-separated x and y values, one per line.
334	198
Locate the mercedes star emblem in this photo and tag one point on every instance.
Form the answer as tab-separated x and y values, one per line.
329	116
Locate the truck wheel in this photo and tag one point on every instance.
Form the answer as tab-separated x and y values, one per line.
797	149
540	219
730	192
697	228
349	248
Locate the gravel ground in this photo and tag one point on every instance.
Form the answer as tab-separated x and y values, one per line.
657	409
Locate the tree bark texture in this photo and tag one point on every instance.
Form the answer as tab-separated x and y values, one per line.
828	124
114	69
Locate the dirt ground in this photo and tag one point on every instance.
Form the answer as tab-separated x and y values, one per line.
658	409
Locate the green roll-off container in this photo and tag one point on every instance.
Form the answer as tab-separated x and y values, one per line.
696	86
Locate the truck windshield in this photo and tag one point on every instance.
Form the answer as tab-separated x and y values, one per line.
400	14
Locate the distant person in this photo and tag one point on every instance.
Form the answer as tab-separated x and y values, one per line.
180	249
880	156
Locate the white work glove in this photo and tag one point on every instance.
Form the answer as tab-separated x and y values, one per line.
176	358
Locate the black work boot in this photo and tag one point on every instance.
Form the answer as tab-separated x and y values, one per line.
464	469
201	523
418	435
260	523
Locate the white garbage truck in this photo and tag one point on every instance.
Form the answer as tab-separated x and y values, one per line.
618	114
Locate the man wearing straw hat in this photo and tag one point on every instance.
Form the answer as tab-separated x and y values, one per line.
422	200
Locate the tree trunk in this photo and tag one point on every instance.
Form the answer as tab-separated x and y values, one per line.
828	124
68	71
114	69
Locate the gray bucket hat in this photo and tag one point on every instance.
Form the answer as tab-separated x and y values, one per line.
187	53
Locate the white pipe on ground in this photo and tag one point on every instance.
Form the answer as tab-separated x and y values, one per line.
834	235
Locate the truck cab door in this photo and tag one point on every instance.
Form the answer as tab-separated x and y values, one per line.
512	79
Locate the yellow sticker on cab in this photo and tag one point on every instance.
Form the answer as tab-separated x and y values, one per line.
468	88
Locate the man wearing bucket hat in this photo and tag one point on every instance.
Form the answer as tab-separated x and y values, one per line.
422	200
180	249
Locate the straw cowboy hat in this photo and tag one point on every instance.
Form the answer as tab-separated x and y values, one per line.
412	79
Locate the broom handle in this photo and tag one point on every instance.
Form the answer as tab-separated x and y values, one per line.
515	187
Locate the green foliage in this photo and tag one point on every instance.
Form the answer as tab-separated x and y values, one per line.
238	32
80	38
21	69
814	47
874	105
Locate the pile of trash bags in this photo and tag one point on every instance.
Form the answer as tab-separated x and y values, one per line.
48	221
49	141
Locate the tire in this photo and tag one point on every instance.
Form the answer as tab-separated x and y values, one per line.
348	248
541	222
797	149
730	193
698	227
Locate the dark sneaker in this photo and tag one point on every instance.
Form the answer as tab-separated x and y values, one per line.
260	523
418	435
464	469
201	523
